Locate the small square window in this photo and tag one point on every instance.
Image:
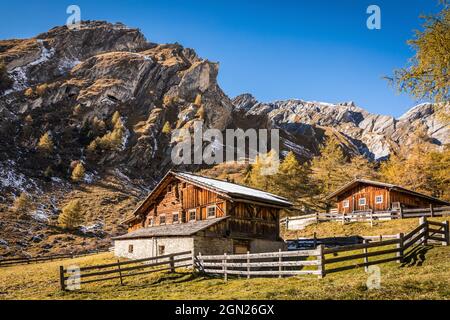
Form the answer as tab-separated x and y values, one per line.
362	201
130	248
161	250
192	215
378	199
211	211
346	203
175	217
162	219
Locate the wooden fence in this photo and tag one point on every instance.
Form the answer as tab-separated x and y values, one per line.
322	261
298	222
122	269
38	259
262	264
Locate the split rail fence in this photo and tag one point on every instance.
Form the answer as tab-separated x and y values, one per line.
322	261
297	222
38	259
69	277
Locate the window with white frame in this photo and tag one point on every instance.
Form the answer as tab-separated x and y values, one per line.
211	211
362	201
162	219
175	217
379	199
346	204
192	215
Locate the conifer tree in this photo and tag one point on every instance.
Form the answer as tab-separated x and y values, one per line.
45	143
328	168
71	216
166	128
78	172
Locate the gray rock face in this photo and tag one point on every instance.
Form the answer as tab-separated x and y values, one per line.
81	77
373	135
70	82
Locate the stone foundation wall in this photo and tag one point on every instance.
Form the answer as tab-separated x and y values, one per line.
212	246
147	248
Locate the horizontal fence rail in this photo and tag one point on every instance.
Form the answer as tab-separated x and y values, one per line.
38	259
124	269
281	263
298	222
321	261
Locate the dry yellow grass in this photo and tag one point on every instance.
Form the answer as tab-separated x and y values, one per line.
336	229
426	277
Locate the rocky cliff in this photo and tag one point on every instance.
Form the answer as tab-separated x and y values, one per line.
69	84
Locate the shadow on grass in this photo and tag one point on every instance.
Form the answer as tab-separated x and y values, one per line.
416	257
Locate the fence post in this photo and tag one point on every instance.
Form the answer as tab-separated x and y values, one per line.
317	216
366	258
193	260
446	236
315	241
423	221
371	218
248	264
399	246
321	265
120	272
224	262
172	263
431	210
401	211
200	263
61	278
287	223
343	218
280	259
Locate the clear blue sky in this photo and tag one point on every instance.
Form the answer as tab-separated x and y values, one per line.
313	50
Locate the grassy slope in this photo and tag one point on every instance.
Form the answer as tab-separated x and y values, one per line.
107	201
427	277
335	229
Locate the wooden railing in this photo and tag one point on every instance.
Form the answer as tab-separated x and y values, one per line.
281	263
292	223
38	259
72	278
322	261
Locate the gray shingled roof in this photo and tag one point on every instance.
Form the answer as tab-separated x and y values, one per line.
178	229
351	184
234	190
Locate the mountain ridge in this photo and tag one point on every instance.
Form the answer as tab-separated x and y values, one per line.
70	84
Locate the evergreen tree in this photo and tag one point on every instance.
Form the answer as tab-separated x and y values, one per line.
45	143
71	216
360	167
115	118
166	128
293	181
262	172
78	172
428	75
328	168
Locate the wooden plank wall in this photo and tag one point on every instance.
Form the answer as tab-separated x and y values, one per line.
364	191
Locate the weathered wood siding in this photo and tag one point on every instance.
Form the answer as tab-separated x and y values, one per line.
179	198
246	221
370	193
253	221
367	192
411	201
